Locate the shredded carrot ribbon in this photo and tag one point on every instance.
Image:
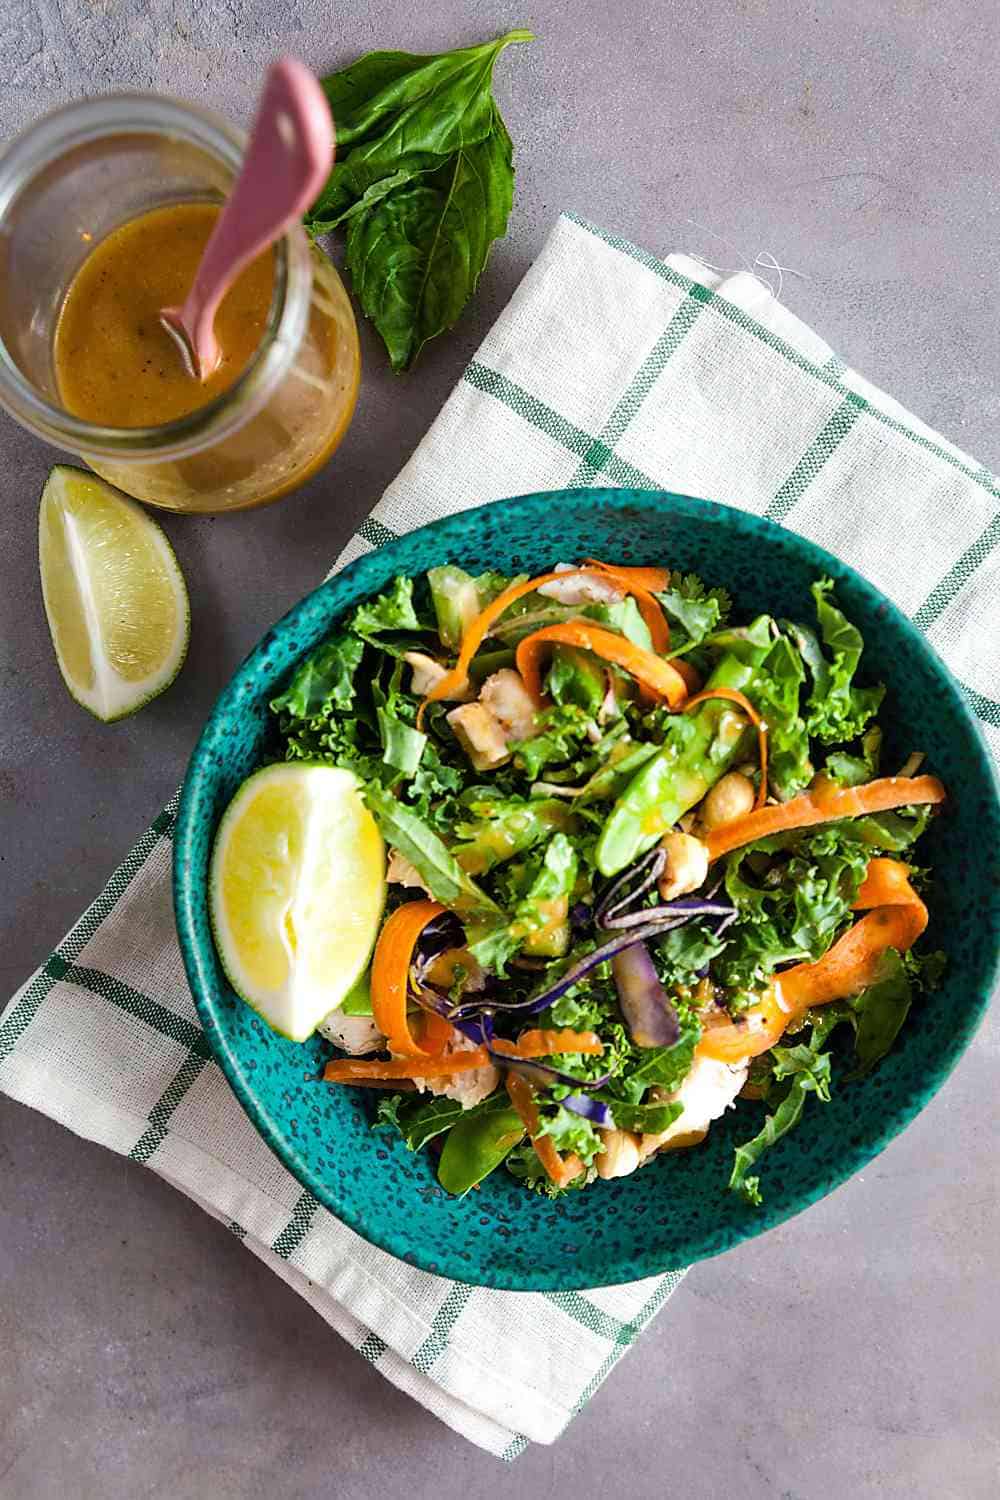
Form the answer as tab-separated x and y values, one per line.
362	1070
652	672
733	695
435	1032
822	804
390	977
538	1043
653	580
561	1169
690	674
456	680
529	1045
895	918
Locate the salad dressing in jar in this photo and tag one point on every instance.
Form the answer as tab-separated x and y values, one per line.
105	209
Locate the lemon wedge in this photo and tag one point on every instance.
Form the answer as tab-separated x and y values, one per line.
114	594
297	886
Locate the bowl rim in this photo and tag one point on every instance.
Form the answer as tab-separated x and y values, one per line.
642	1260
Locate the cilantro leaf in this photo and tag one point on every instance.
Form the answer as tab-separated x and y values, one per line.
698	611
561	730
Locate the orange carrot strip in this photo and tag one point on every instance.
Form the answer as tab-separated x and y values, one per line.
896	919
561	1169
436	1032
692	679
886	883
544	1043
822	805
530	1044
358	1070
733	695
756	1030
652	672
855	960
655	580
456	681
391	969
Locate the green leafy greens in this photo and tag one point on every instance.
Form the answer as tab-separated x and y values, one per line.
423	181
522	854
837	711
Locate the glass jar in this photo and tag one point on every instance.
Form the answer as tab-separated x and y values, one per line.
71	179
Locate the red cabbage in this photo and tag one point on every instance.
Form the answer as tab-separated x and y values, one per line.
622	892
594	1110
650	1016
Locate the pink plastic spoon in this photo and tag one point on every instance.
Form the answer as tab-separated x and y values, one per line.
287	162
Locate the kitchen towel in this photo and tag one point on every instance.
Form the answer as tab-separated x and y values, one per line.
608	367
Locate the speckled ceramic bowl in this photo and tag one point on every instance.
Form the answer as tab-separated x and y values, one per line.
677	1210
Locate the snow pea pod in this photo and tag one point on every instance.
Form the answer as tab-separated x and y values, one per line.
503	827
699	749
476	1145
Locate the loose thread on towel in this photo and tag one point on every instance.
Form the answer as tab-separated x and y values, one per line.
764	259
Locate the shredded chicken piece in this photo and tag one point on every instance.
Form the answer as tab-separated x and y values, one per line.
427	672
468	1088
480	735
505	696
583	588
706	1093
355	1035
402	872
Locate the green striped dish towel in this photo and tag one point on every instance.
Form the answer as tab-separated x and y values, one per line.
607	367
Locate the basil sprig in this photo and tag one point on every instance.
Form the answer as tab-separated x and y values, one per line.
423	183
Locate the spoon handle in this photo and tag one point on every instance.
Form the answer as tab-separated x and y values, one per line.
287	161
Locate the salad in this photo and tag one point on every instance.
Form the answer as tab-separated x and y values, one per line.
640	859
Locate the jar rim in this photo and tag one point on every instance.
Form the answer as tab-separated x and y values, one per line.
81	123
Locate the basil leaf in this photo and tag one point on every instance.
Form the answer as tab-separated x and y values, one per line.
417	254
398	115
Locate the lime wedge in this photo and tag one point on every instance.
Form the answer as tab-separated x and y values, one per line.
296	890
114	594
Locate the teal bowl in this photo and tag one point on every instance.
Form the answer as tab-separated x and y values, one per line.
677	1210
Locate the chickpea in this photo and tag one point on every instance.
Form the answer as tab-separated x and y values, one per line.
731	797
620	1155
686	866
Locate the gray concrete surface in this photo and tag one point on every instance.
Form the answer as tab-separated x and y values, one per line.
853	1352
